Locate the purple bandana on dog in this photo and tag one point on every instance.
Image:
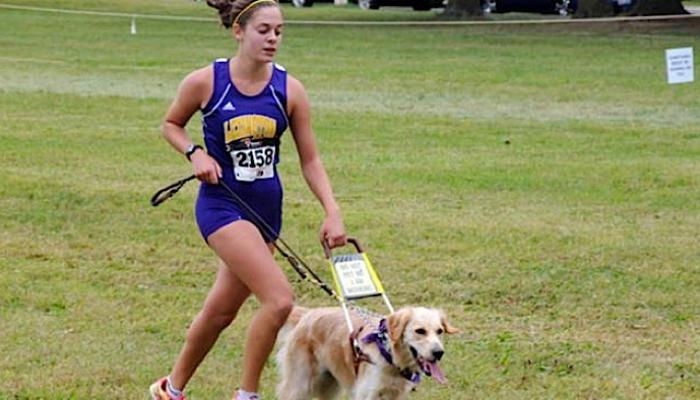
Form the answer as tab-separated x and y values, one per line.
380	338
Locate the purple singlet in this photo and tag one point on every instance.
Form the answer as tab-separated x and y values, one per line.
242	134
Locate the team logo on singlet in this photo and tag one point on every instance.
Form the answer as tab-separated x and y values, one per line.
255	127
252	143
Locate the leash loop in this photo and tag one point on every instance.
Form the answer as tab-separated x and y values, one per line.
169	191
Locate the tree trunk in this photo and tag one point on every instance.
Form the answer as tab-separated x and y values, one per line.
595	9
658	7
463	8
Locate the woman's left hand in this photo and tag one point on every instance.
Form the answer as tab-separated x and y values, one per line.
333	231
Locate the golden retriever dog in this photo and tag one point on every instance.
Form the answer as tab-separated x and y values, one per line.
317	360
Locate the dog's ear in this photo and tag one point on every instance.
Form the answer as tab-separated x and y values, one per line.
397	323
449	329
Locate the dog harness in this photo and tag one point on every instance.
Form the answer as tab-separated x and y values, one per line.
380	338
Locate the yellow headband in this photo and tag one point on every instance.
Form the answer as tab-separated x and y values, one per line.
251	5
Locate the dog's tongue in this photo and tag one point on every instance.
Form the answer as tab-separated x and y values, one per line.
436	372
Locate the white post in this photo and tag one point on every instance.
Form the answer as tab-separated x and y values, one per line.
133	25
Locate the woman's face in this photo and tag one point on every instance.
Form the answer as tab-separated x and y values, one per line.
260	38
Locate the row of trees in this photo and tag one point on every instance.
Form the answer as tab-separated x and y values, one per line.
586	8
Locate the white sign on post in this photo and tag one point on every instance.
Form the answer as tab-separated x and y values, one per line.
679	65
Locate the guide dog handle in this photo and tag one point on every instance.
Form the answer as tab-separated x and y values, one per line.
327	249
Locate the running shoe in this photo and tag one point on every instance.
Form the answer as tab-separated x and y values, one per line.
158	391
237	397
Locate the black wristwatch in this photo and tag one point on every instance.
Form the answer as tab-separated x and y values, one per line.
191	149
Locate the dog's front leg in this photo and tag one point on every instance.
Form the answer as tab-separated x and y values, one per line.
368	385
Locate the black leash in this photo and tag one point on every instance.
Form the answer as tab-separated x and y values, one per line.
294	260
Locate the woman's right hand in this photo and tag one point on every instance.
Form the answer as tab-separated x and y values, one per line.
206	169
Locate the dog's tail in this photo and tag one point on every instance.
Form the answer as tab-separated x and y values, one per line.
285	363
285	333
292	321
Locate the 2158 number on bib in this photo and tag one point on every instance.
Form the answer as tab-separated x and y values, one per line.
256	163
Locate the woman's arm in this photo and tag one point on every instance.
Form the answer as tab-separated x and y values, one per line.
193	91
332	230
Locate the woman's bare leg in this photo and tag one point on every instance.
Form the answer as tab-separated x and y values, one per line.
219	310
241	246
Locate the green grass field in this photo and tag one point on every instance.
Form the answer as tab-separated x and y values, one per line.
569	258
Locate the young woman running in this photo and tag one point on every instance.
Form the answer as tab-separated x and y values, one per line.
246	102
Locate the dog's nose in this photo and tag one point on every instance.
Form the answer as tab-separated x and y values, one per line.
438	354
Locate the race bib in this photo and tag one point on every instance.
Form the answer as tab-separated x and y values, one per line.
254	163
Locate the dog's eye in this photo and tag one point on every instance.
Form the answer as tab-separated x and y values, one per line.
439	331
420	331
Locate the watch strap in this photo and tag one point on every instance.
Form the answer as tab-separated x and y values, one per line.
191	149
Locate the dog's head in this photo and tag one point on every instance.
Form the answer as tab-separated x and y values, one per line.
416	339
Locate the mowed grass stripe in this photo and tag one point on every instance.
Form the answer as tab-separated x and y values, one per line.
479	74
